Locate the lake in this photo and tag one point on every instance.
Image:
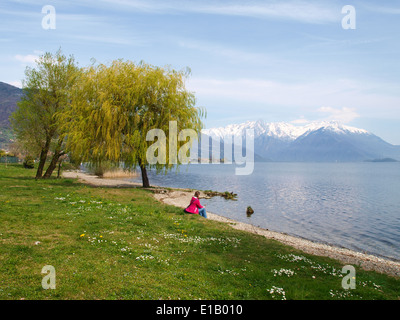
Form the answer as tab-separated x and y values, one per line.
350	205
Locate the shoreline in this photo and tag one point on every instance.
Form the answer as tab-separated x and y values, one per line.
181	198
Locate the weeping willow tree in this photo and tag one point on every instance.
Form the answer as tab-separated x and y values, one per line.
114	107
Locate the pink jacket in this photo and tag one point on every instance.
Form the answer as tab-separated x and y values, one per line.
194	206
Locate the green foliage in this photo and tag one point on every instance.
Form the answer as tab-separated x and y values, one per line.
113	108
29	162
46	95
105	111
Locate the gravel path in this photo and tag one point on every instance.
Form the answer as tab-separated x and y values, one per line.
99	182
181	198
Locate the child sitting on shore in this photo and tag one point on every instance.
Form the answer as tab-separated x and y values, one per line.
195	207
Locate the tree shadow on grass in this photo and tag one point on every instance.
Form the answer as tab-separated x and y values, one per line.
52	181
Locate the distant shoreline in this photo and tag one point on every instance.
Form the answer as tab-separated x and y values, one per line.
382	160
181	197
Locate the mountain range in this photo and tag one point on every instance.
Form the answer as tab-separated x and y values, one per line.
315	142
9	96
277	141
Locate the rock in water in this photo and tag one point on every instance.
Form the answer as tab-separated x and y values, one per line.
249	211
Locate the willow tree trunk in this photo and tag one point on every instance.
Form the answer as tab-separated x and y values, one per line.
53	165
43	157
145	178
59	169
57	154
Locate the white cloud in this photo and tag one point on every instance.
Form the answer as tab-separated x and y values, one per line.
297	10
343	115
28	59
234	55
103	39
300	121
16	83
310	98
382	9
309	12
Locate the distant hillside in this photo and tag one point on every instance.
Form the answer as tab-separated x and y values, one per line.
9	96
382	160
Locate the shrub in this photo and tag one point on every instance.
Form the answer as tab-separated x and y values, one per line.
29	162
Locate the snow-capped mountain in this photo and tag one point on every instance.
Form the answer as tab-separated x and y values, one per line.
317	141
280	130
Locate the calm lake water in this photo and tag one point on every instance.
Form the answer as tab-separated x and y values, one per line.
351	205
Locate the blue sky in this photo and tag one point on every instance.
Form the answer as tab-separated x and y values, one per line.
285	60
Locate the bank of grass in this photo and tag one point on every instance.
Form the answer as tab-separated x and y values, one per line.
107	243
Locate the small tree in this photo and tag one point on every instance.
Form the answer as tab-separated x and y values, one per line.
29	162
46	94
114	107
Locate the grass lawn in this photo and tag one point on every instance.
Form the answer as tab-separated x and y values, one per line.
107	243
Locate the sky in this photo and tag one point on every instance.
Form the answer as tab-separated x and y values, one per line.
291	60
